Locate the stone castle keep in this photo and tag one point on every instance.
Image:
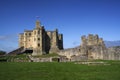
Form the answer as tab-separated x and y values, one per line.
41	41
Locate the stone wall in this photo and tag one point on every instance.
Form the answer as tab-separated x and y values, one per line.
41	41
92	47
114	53
69	52
47	59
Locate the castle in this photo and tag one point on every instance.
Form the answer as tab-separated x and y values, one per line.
41	41
91	47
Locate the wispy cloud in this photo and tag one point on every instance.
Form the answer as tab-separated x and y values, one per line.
8	42
76	43
8	37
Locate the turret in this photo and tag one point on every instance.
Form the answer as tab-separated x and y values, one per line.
38	24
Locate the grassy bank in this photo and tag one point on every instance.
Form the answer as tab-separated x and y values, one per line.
59	71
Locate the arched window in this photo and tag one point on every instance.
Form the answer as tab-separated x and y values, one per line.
38	38
29	34
26	34
38	44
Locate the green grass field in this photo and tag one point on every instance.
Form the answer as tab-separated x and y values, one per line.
59	71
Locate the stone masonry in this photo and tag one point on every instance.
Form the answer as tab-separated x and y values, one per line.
41	41
92	47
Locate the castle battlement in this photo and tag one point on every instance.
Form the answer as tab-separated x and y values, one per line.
92	40
40	40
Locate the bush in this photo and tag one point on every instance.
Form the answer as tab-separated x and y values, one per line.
2	52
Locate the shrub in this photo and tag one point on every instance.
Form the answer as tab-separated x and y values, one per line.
2	52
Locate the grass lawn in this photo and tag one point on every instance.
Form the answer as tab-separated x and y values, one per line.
59	71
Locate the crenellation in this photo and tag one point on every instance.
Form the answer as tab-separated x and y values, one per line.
93	47
91	40
96	39
83	40
43	42
40	40
101	41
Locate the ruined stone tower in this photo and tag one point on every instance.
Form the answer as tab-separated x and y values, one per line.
93	47
41	41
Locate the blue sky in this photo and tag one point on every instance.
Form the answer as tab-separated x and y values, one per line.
73	18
